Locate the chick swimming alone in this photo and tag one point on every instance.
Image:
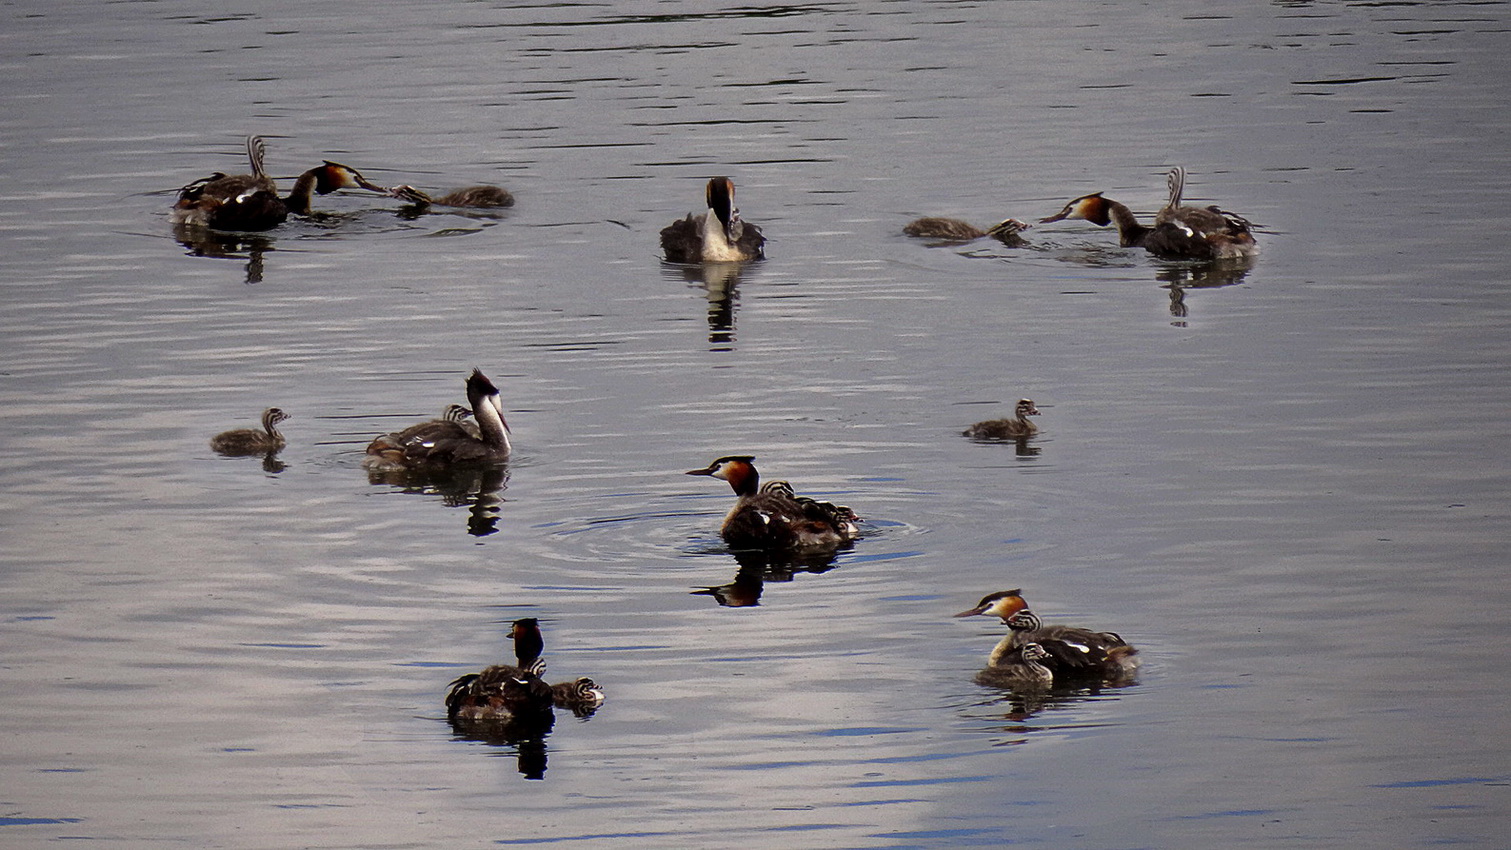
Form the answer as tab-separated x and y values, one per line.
251	441
1007	429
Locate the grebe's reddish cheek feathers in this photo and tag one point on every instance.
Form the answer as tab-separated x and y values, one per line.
1002	604
1092	208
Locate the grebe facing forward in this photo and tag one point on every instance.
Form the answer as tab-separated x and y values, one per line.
475	197
955	230
1007	429
717	236
250	441
449	440
247	202
771	518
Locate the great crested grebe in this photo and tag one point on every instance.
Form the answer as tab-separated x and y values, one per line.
582	696
448	441
476	197
717	236
1007	429
1074	653
250	201
1024	667
772	518
955	230
1198	232
1179	233
250	441
505	692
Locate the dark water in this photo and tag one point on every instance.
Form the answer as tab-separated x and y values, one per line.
1287	486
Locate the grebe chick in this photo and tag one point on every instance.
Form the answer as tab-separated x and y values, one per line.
717	236
1020	669
955	230
247	202
582	696
505	691
772	519
1007	429
250	441
477	197
447	441
1075	653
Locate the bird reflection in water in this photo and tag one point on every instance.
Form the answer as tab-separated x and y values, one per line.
215	244
477	488
1016	706
720	284
1179	277
756	568
525	736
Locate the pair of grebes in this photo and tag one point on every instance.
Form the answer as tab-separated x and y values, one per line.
250	202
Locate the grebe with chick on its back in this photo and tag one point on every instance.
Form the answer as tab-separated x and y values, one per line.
250	202
449	440
772	517
718	235
1178	232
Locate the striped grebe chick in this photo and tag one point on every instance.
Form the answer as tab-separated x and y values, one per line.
505	692
250	441
582	696
772	518
476	197
448	441
955	230
248	202
718	235
1075	653
1022	668
1007	429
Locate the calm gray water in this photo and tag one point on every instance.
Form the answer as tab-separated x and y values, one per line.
1287	486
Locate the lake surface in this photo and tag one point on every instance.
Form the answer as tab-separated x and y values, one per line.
1288	485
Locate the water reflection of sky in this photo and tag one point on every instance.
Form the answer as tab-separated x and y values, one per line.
1280	484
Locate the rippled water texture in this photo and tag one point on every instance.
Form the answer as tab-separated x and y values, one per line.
1287	484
